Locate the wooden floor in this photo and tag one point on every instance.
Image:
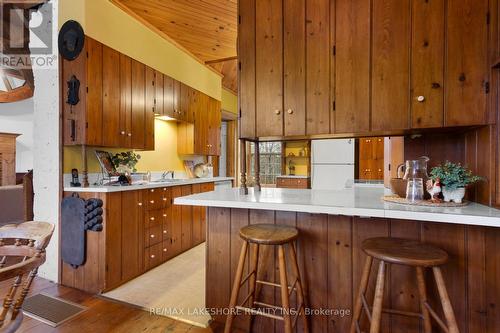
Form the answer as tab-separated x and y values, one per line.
102	315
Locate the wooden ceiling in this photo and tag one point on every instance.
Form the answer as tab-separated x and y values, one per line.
205	28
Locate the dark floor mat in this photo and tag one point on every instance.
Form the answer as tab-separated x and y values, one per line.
51	310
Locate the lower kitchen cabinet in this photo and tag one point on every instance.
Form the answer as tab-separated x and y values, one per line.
142	229
296	183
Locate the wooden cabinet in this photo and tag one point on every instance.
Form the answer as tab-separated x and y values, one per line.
294	97
82	123
142	229
359	68
120	98
8	159
113	98
371	158
150	108
295	182
125	109
110	97
202	137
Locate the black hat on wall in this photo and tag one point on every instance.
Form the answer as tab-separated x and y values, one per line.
71	40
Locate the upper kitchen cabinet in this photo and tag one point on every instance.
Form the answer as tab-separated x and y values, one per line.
202	136
361	67
467	67
115	101
274	53
351	72
390	74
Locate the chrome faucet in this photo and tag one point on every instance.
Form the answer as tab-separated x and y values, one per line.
166	173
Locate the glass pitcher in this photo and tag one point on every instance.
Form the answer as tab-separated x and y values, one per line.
415	169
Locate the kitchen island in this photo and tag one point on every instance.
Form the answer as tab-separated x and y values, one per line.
332	226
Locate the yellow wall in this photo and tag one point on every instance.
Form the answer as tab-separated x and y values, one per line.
109	25
229	101
163	158
301	163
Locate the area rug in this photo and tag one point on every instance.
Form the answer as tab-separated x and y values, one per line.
175	289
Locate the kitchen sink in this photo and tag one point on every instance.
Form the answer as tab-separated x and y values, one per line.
167	181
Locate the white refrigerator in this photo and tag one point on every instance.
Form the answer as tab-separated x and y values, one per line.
332	164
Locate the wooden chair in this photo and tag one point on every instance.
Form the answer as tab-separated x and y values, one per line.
410	253
268	235
22	251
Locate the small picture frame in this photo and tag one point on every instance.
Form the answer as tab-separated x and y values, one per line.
106	162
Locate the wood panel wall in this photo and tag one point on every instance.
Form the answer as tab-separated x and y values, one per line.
474	148
331	261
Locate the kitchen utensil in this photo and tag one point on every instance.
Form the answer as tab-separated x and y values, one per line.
398	186
415	190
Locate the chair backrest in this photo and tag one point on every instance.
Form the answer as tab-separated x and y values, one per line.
22	251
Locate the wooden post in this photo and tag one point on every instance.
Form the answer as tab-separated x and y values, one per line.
85	175
243	161
257	166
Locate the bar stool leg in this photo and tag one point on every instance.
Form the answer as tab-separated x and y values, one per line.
300	291
362	290
423	300
236	288
284	290
445	301
378	299
254	264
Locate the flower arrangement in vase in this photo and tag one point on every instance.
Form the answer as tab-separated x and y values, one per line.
454	179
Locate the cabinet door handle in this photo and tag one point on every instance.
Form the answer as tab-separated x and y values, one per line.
290	111
122	133
164	231
139	204
152	236
165	250
152	190
164	199
277	112
152	201
164	215
420	99
130	134
152	218
152	256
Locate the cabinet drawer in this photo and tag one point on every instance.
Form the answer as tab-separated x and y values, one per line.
153	236
158	198
156	217
153	256
292	183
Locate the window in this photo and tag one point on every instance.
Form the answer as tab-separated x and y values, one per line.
270	161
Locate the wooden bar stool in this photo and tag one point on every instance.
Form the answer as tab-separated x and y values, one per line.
410	253
270	235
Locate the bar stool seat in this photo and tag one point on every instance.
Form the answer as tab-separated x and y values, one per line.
409	253
269	234
282	237
404	252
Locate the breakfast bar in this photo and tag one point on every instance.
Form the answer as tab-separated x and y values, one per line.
332	226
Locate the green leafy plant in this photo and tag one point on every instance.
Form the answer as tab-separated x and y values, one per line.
125	161
454	175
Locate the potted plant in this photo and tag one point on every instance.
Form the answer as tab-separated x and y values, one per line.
125	162
454	177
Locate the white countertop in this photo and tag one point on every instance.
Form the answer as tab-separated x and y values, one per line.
357	201
105	189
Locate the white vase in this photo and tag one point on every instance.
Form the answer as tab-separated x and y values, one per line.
454	195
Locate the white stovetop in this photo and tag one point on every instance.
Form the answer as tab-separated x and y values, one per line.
105	189
357	201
